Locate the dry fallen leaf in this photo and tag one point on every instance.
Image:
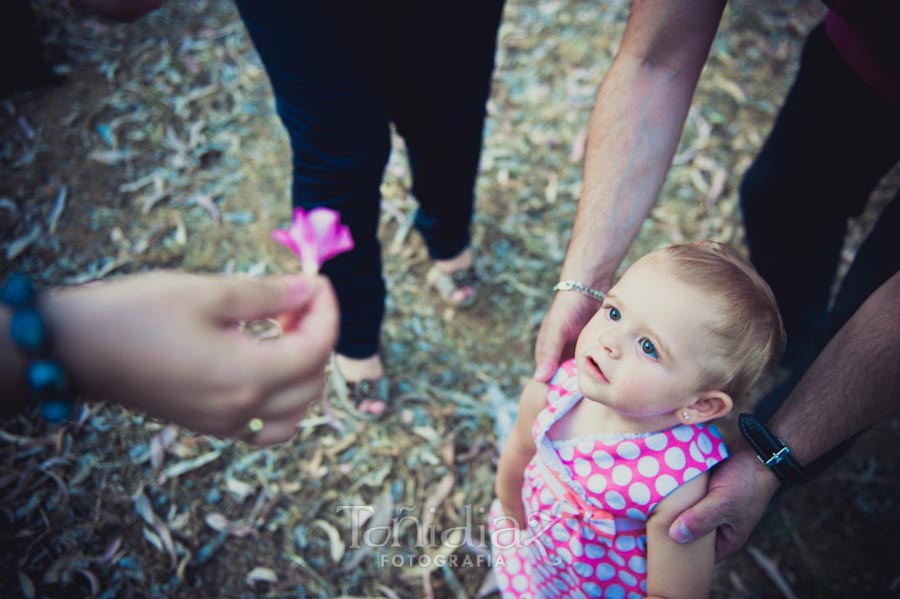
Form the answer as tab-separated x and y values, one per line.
334	538
260	574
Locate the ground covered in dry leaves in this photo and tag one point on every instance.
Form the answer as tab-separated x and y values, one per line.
162	149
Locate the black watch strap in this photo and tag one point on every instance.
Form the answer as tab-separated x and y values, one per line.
770	450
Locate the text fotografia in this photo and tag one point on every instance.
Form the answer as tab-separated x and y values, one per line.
429	562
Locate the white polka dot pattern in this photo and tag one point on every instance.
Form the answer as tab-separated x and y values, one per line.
627	476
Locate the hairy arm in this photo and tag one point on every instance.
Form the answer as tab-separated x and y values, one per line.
675	570
853	384
634	130
518	452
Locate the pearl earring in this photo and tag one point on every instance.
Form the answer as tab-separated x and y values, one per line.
686	415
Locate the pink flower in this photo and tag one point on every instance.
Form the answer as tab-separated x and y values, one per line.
315	236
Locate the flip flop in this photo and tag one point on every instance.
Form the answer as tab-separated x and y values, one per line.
351	393
447	284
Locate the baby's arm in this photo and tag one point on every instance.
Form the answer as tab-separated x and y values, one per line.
675	570
518	452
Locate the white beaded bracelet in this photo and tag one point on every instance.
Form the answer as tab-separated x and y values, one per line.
580	288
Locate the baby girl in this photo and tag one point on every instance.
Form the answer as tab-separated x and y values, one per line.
603	459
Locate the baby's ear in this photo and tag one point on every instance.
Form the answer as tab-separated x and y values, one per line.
709	405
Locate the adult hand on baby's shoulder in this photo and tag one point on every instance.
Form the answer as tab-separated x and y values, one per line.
739	491
567	315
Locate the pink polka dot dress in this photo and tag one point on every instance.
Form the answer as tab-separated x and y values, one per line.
587	501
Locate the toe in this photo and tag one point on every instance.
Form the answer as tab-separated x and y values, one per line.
461	295
372	406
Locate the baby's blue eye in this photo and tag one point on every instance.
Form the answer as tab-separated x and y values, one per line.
614	314
648	348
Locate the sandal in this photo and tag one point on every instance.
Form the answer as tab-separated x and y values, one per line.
448	284
352	393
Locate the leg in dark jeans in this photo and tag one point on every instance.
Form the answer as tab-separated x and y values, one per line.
877	260
329	69
341	71
440	96
832	142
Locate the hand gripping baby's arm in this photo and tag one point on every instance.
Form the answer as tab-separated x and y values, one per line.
518	452
673	570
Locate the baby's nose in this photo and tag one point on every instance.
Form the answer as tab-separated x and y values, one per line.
610	342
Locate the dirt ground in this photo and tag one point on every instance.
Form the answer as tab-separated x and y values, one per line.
161	149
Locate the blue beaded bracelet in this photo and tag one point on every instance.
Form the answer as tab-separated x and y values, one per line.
46	378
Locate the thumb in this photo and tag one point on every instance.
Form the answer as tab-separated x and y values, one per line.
698	521
321	318
547	350
561	325
303	349
267	297
546	361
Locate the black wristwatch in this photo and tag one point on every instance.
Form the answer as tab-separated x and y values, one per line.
770	450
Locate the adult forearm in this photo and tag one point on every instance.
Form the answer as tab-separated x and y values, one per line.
853	384
635	127
634	130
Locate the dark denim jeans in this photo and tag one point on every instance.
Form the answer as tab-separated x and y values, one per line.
344	71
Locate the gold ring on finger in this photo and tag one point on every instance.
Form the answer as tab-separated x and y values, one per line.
254	425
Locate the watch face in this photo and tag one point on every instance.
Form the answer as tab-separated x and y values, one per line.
770	450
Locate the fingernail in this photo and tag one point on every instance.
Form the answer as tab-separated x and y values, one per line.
541	373
682	534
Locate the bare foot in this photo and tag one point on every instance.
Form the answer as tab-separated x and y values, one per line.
354	370
461	261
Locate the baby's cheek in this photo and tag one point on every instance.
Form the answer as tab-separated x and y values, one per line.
580	343
640	392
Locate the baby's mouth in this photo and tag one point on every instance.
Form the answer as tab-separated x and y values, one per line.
596	370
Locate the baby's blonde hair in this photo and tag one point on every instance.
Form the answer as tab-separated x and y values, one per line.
749	337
